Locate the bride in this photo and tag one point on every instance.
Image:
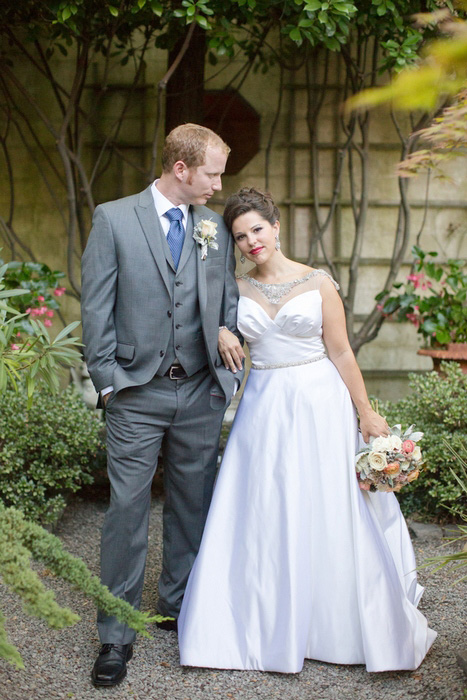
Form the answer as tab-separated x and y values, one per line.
297	562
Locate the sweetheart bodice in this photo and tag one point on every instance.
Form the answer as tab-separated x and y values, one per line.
293	335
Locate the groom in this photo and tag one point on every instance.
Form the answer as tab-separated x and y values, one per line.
153	299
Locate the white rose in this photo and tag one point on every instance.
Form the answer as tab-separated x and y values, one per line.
395	442
381	444
377	461
417	453
362	462
208	228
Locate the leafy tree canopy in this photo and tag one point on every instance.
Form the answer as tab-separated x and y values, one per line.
231	25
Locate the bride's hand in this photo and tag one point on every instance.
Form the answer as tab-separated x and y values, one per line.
230	350
373	425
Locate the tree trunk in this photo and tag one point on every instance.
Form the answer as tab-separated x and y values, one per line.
184	101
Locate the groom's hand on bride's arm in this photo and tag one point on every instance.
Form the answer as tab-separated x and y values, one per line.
230	350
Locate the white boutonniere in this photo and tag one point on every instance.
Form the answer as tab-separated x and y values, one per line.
205	233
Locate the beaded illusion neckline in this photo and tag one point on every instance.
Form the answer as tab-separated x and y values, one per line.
275	292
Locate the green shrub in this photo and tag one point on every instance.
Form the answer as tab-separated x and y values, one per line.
21	540
46	452
438	406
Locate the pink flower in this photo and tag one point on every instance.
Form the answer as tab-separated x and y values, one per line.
18	335
47	322
408	446
59	291
415	279
49	313
42	310
14	346
40	298
380	307
29	310
364	486
413	318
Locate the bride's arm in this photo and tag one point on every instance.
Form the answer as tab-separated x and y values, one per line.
341	354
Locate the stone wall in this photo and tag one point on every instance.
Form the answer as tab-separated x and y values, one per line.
385	360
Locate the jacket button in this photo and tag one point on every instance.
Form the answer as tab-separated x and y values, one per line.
179	303
161	353
177	347
169	314
178	284
179	325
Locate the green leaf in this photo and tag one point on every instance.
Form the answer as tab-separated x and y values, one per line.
113	10
313	5
295	34
71	327
443	337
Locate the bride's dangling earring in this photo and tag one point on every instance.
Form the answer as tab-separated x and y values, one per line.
242	258
278	243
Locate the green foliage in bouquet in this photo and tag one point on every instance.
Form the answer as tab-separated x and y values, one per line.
47	451
438	407
19	541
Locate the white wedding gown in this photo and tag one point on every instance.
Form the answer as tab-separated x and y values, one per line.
296	562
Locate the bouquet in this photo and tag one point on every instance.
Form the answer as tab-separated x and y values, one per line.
387	463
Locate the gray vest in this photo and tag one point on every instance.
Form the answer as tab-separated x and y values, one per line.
186	343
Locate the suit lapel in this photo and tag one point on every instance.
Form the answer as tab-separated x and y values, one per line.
200	266
146	213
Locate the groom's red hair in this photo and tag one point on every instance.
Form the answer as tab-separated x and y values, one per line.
188	142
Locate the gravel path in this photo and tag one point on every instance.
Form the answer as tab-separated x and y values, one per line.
58	663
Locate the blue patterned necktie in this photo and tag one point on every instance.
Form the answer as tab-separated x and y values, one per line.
176	233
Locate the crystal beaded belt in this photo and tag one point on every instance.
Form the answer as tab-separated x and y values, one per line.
291	364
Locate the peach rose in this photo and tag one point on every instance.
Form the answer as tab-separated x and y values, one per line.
413	475
392	469
364	486
408	446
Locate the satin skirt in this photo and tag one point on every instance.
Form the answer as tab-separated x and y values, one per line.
296	562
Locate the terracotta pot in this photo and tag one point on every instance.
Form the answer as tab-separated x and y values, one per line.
453	352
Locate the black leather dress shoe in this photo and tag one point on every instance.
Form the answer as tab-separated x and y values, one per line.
169	625
110	666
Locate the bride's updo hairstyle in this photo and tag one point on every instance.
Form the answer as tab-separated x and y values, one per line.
250	199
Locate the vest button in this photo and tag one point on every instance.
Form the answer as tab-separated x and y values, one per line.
161	353
177	347
169	314
179	303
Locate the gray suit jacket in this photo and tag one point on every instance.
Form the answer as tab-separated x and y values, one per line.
126	295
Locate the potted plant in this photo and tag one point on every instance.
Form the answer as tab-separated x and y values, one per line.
434	299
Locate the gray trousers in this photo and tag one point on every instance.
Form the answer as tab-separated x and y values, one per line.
175	415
